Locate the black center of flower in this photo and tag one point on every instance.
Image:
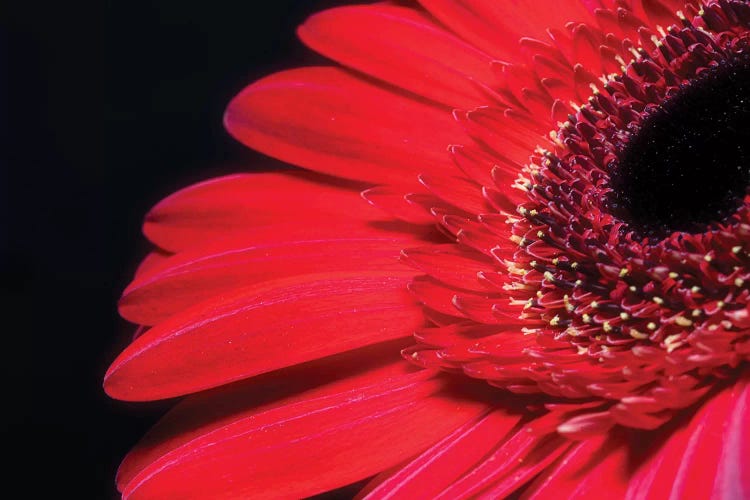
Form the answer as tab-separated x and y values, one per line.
689	164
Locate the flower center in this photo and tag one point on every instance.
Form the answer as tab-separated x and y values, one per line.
688	165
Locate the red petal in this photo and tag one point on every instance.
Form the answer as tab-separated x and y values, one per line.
435	469
330	121
205	412
263	328
395	202
431	62
220	208
153	261
706	458
451	264
308	447
593	468
191	277
496	27
509	466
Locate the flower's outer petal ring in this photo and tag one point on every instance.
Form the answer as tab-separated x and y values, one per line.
402	47
263	328
311	446
332	122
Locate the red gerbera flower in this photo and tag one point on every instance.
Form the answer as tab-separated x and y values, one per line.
582	249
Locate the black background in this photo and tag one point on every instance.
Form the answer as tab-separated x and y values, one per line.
106	108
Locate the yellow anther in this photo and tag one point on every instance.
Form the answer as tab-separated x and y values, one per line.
623	272
651	325
683	321
624	316
658	300
638	335
674	275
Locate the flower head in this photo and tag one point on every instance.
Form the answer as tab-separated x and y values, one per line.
581	246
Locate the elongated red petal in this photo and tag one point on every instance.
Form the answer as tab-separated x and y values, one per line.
195	276
202	413
435	469
263	328
308	447
227	206
706	458
431	62
497	27
330	121
590	468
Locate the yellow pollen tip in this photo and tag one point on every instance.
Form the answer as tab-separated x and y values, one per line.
739	282
658	300
708	258
555	321
623	272
594	304
683	321
674	275
533	212
540	234
695	289
651	325
632	288
574	265
607	327
737	249
673	342
586	318
638	335
624	316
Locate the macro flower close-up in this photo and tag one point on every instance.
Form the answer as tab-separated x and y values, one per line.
509	257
